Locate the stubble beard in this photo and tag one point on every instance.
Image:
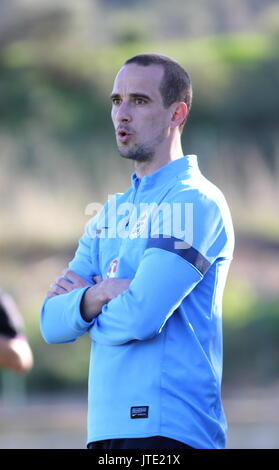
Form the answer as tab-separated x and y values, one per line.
141	152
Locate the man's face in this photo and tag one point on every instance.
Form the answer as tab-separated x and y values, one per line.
139	117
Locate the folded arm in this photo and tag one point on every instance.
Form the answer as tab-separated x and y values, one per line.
139	308
169	270
67	311
162	281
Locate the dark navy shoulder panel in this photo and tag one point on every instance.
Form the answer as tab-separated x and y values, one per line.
180	248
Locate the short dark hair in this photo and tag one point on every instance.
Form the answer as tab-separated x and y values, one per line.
175	85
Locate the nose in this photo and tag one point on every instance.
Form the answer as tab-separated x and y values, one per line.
123	113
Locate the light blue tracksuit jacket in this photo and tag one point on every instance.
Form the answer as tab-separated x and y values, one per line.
156	356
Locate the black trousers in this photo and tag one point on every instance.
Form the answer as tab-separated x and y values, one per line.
154	442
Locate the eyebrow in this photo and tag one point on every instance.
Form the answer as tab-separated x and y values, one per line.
132	95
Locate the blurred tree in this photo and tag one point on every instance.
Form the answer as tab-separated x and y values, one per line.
19	24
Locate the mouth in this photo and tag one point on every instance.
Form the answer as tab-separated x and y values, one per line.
123	135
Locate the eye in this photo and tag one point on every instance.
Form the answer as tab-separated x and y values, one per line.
116	101
140	101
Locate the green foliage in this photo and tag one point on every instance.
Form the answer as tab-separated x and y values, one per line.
65	105
15	103
251	337
238	303
69	99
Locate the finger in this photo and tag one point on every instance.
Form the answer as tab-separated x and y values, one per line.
57	289
70	275
97	279
64	283
75	278
53	292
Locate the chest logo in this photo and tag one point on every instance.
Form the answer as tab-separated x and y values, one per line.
140	226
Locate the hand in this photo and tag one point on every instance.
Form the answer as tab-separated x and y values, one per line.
97	296
66	283
111	287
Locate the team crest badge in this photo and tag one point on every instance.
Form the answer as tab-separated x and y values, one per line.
111	272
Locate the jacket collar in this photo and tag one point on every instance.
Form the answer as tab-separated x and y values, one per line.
182	167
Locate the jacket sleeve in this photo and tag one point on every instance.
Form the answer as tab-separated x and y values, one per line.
169	270
61	321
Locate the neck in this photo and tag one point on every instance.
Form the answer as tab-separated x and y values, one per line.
161	158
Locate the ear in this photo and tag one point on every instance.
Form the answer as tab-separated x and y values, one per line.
179	113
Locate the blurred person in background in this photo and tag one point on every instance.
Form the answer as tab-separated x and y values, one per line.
15	351
148	292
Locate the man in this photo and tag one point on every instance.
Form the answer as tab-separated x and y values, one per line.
15	352
147	279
